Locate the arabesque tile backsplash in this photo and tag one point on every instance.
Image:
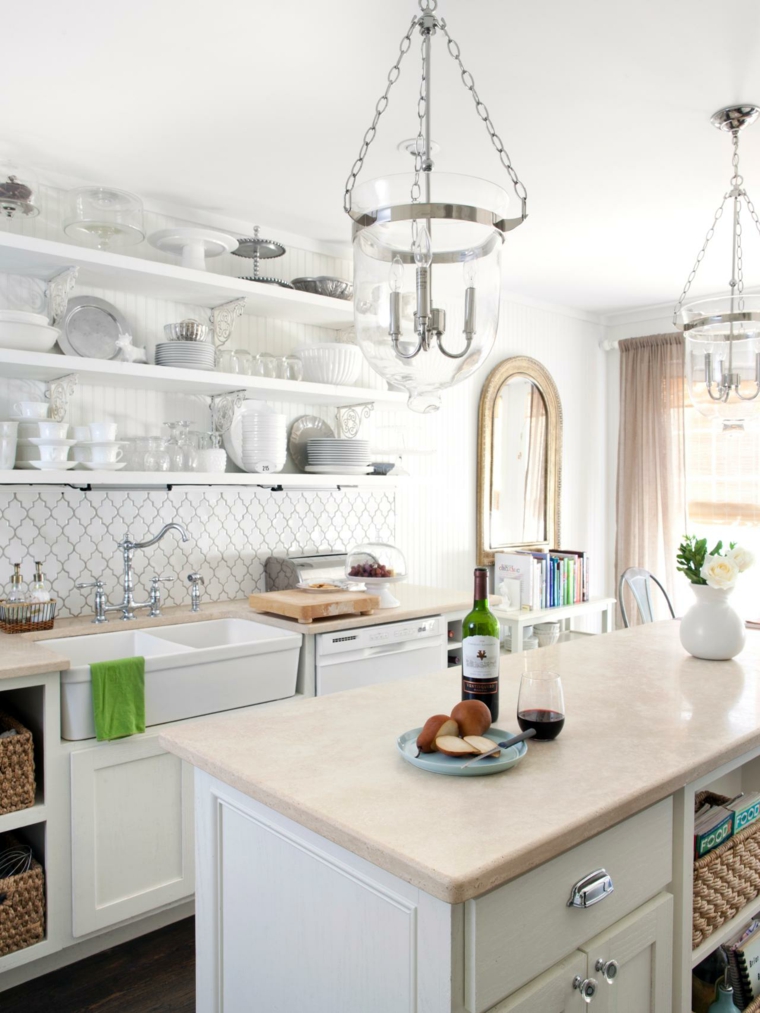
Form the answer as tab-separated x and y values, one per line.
232	531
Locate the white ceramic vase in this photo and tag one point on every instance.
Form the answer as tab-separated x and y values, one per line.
711	629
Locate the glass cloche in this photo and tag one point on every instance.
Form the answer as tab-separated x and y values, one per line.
103	216
378	566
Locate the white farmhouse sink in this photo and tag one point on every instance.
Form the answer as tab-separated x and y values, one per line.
193	669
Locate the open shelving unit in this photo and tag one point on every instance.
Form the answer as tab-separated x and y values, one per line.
155	479
103	269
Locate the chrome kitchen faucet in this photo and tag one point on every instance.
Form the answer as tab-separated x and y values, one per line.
128	605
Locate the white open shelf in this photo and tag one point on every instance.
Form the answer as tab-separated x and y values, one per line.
36	813
102	269
47	366
154	479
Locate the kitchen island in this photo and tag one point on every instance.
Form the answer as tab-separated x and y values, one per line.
333	875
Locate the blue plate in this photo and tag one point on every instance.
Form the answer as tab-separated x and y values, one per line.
439	763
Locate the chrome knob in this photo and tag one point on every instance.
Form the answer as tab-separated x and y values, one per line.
608	969
587	987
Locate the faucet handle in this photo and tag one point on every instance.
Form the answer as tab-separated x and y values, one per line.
92	583
163	580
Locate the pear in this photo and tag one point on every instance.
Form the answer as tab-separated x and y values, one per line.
472	716
452	746
439	724
481	744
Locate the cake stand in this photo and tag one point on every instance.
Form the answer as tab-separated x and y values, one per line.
193	245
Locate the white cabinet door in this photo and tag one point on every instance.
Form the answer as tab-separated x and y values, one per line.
641	946
131	831
551	992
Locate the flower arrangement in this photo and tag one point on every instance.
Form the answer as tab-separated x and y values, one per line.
718	569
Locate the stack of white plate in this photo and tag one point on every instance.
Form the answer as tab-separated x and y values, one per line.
185	354
264	442
332	456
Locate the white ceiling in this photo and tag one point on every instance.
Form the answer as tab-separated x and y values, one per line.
256	109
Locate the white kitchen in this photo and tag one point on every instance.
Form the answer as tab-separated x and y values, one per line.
380	507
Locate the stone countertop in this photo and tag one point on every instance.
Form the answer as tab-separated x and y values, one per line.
25	654
643	719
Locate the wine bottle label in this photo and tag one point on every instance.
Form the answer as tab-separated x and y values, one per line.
480	658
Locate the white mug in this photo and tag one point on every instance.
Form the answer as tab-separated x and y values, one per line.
31	409
102	432
50	452
81	433
53	430
106	454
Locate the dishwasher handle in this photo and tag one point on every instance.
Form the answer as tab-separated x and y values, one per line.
382	650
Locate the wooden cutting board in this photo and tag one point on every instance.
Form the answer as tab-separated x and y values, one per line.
306	606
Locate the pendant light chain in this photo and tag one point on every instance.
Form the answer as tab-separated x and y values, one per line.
380	106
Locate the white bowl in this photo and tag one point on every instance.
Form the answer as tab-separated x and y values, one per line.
29	337
330	362
23	317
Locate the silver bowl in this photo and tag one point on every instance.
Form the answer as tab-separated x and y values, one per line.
186	330
325	285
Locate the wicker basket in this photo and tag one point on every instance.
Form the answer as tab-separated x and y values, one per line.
27	617
725	880
17	785
22	905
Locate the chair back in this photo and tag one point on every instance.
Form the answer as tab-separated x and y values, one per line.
640	581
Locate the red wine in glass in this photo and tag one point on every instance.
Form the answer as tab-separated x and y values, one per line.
546	724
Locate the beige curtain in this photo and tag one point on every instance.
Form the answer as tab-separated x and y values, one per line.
650	479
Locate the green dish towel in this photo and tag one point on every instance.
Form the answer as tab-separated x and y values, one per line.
118	698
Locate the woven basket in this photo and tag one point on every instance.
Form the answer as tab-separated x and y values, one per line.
17	785
22	905
725	880
26	617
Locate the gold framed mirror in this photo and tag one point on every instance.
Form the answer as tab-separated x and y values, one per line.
519	460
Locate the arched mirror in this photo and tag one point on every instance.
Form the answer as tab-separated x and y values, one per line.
519	459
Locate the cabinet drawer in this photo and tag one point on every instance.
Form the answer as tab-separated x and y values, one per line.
524	927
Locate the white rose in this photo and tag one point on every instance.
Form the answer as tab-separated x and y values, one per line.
719	571
742	557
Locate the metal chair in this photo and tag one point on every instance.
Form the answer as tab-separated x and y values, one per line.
640	582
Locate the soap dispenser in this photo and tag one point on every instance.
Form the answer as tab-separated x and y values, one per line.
38	592
724	999
16	595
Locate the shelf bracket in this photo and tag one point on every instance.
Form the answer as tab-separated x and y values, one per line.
223	408
58	393
223	319
58	291
350	418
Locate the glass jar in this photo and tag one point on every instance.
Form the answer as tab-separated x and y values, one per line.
288	367
156	456
244	362
180	446
226	361
265	365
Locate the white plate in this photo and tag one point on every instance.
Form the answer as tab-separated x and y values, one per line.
38	441
320	469
49	465
101	465
25	418
101	443
233	438
23	317
337	586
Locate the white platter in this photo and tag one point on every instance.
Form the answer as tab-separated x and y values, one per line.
101	465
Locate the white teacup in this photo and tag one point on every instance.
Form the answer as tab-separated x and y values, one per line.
81	433
50	452
108	453
80	453
102	432
31	409
53	430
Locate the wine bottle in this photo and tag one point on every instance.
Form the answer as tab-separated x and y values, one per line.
480	649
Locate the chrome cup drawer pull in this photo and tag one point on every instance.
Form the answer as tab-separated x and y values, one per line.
608	969
587	987
591	889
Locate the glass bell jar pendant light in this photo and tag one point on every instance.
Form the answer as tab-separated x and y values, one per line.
427	247
722	334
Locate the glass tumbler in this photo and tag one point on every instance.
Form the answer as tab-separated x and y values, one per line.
265	365
288	367
226	361
156	457
245	361
541	704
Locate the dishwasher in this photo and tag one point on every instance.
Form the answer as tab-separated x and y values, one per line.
351	658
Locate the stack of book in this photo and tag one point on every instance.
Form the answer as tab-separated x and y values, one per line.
546	579
716	824
743	952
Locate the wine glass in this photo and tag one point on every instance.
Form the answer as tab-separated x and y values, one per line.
541	704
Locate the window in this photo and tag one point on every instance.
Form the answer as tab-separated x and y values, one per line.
723	494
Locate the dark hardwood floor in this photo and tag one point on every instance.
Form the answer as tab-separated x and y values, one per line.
152	974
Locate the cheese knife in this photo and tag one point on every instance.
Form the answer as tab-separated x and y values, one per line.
511	741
